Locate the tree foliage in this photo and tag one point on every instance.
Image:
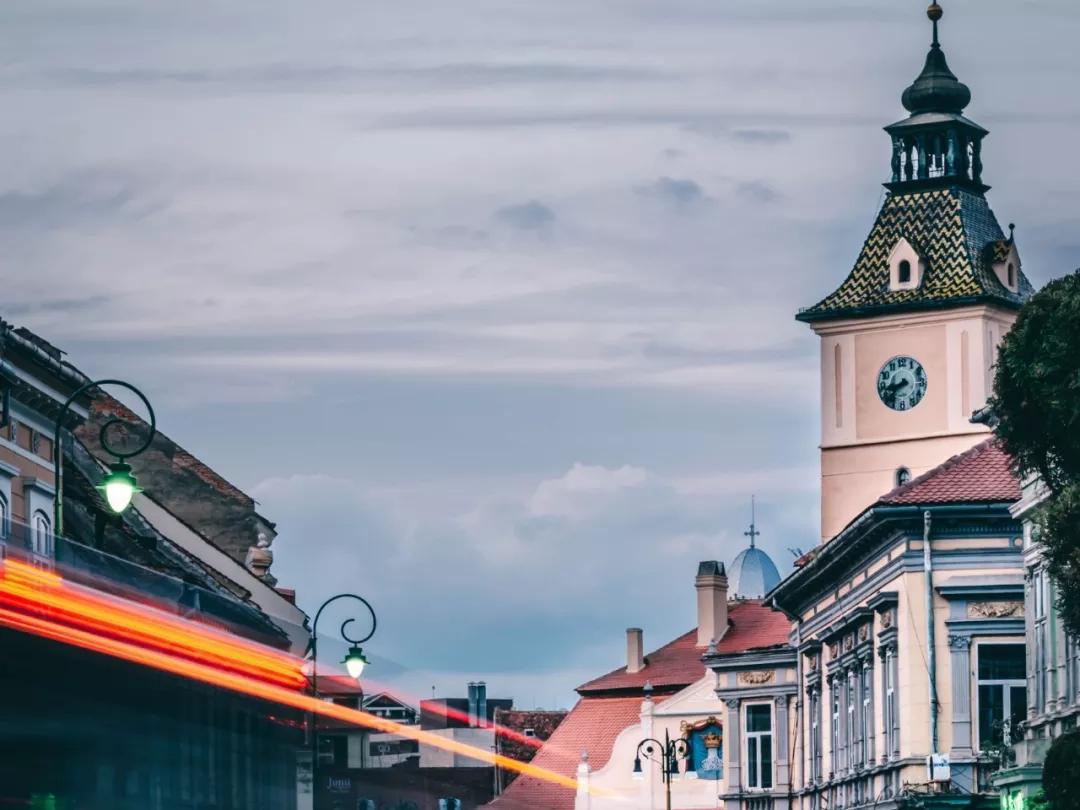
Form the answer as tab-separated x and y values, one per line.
1061	773
1037	403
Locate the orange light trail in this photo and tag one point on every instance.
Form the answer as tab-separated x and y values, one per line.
102	624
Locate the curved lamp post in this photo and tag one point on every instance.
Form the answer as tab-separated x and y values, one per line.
668	753
119	485
354	662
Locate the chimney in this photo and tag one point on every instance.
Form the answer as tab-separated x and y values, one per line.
712	587
481	704
635	650
472	705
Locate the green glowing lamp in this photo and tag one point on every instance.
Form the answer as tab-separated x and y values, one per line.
355	661
119	486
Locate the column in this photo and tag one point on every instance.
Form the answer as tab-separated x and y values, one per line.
960	666
733	742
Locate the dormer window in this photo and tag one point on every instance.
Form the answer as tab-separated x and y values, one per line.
1006	263
906	267
1011	275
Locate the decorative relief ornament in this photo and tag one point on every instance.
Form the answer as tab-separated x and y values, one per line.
849	642
886	619
814	663
732	703
864	632
995	610
35	441
686	725
757	677
781	701
959	642
834	650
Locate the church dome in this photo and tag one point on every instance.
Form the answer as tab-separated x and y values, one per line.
753	574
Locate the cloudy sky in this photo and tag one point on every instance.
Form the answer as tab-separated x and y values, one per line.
490	303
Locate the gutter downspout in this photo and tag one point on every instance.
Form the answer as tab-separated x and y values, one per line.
931	655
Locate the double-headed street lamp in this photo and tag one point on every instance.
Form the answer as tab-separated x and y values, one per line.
119	485
354	662
668	753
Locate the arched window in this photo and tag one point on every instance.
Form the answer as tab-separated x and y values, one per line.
903	272
5	515
1012	275
903	475
41	535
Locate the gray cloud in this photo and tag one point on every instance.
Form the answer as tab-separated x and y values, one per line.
679	191
528	216
757	191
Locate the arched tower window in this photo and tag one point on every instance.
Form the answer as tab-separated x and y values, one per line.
904	272
903	475
1012	274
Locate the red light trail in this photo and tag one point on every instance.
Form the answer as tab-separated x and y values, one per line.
41	602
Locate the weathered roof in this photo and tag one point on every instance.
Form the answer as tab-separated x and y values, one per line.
592	727
951	228
983	474
678	664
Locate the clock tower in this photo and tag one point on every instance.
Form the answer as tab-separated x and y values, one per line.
908	339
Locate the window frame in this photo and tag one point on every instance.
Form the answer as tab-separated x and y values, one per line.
903	272
41	530
892	726
1010	686
756	737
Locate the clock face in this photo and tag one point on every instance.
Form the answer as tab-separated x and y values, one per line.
901	383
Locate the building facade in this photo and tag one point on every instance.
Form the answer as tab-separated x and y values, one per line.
103	626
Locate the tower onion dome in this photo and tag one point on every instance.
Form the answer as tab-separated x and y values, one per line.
936	90
753	574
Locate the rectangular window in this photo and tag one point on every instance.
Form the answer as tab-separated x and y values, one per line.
1002	692
759	752
892	742
815	734
867	730
834	726
851	730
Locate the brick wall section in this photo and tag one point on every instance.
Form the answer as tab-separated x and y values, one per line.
543	723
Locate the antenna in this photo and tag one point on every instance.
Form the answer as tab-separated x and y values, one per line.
753	533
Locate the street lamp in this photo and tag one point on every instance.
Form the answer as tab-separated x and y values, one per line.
119	486
354	662
667	754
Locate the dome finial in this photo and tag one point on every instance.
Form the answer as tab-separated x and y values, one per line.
936	89
934	12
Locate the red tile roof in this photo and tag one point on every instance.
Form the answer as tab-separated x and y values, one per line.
983	474
592	726
751	626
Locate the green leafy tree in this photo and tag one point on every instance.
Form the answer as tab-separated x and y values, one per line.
1037	403
1061	773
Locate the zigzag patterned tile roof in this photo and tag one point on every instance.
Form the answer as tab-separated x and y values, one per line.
954	230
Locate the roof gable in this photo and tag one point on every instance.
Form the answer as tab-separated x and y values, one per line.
951	228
